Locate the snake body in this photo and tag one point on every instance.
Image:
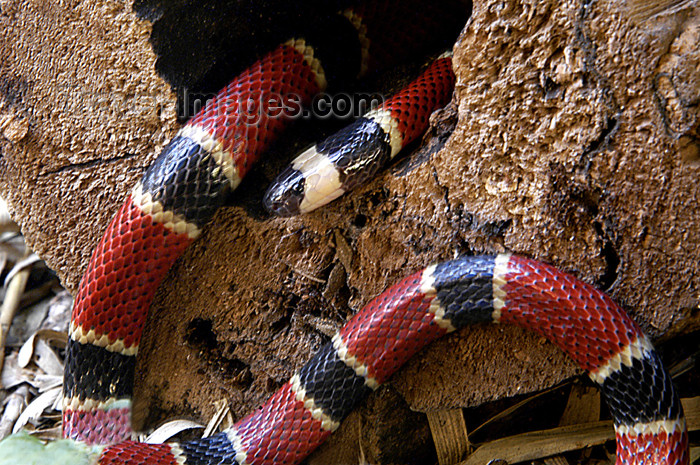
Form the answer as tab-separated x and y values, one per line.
424	306
179	194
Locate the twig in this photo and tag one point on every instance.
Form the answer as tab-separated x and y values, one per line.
449	432
539	444
14	292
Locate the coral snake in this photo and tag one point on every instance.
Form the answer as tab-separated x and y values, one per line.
208	157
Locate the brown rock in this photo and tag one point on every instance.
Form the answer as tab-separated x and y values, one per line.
576	142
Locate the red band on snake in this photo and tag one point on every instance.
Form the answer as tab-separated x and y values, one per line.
180	193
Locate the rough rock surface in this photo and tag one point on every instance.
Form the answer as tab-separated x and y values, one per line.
575	141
